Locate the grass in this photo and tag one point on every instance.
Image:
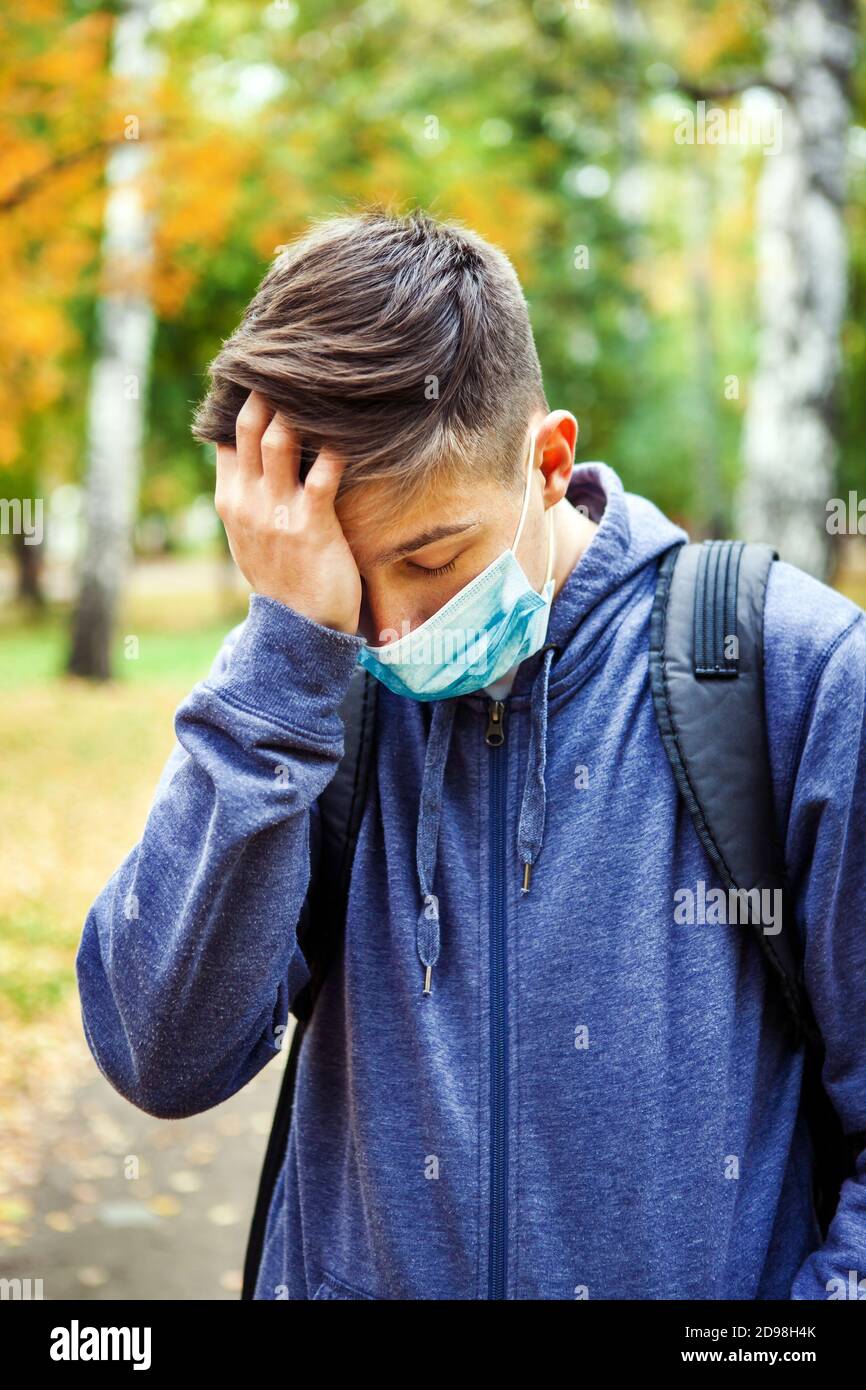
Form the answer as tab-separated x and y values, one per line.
80	762
176	639
39	655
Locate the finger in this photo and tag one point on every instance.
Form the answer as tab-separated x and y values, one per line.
281	455
226	460
323	480
226	471
253	419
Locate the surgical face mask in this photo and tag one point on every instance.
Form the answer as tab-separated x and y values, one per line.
494	621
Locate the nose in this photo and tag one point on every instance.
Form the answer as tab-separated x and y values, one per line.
381	620
373	624
366	624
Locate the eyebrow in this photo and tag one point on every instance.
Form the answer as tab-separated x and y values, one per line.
433	533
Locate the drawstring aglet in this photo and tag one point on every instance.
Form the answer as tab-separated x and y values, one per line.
428	977
527	870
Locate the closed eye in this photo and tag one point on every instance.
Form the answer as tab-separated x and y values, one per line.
442	569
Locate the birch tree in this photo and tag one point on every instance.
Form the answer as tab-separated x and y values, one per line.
117	399
789	438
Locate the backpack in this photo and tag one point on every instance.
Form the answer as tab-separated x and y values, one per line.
706	675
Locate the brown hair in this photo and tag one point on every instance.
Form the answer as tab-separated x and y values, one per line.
401	342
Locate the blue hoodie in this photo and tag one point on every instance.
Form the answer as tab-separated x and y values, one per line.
591	1102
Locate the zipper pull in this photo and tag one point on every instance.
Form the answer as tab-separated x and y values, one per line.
495	735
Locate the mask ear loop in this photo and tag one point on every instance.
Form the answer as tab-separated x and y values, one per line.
550	548
527	492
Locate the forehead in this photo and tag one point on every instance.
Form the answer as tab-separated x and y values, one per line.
376	520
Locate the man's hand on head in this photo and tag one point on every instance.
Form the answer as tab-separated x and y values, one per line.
284	534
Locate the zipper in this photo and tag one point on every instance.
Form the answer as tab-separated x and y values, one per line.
495	739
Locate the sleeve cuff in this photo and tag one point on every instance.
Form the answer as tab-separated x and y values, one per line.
286	665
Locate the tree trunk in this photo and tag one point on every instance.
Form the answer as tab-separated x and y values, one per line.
789	437
710	498
28	562
119	382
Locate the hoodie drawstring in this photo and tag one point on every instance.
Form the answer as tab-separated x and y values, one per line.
429	814
530	830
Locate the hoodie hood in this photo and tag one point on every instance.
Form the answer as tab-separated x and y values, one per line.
632	534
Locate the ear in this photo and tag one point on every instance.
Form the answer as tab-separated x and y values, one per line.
556	442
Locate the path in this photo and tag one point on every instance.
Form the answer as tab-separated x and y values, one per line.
178	1230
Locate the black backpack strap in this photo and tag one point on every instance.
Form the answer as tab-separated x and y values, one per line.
706	670
320	926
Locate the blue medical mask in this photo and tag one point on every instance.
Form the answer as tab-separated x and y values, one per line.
494	621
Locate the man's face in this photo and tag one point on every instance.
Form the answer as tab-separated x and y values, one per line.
413	565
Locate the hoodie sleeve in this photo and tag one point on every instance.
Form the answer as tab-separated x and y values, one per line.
188	961
826	853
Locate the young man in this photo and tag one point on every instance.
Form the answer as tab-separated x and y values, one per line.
524	1077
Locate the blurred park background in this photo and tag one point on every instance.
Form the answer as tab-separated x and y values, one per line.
680	185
